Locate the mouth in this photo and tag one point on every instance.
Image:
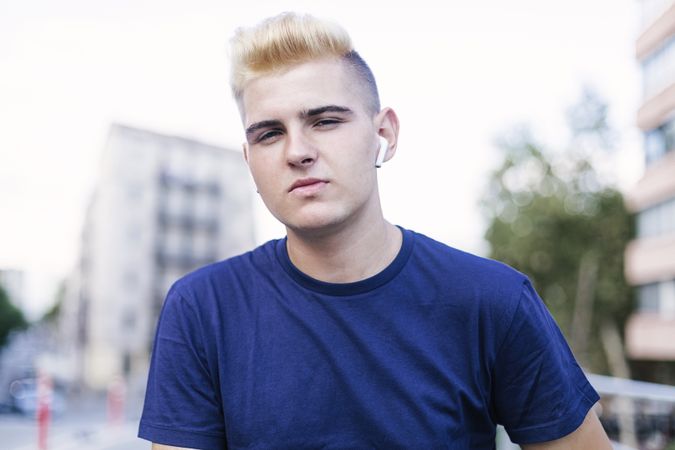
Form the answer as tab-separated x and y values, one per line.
307	186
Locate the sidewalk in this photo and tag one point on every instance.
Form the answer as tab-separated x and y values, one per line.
83	426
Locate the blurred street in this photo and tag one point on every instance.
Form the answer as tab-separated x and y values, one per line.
82	426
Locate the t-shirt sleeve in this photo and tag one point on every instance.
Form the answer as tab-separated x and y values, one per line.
182	403
541	393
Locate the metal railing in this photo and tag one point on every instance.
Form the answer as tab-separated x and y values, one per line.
635	414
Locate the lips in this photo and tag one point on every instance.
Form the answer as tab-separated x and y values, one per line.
307	185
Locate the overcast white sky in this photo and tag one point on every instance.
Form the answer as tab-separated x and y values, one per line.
458	73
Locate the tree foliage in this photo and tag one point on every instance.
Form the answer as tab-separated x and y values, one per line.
555	217
54	312
11	318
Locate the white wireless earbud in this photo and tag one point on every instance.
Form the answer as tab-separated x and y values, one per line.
381	152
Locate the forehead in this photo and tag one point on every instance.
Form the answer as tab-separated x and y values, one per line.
301	87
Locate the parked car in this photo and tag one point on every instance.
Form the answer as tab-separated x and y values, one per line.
24	397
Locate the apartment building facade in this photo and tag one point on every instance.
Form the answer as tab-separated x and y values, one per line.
650	257
163	206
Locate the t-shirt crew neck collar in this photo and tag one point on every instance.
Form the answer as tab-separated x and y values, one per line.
353	288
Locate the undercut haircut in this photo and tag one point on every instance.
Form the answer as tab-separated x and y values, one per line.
289	39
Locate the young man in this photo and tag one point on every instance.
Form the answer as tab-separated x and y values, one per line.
350	333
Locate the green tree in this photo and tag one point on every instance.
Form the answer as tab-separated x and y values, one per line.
552	215
11	318
54	311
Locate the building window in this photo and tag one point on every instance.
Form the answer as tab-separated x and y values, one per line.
659	141
658	69
658	298
655	145
129	321
648	298
657	220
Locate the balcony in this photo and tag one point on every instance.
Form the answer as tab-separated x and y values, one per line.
659	30
651	336
649	260
656	185
657	109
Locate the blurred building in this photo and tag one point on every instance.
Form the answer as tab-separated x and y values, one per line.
650	258
163	206
12	281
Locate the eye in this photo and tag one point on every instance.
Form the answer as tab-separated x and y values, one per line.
327	123
268	136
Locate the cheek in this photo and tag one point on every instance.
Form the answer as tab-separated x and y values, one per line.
351	152
360	163
358	175
260	174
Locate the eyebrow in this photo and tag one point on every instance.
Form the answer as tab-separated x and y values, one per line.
323	109
263	124
303	115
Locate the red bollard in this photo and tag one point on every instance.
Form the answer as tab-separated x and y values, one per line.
43	412
116	394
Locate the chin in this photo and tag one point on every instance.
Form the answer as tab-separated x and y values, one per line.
314	223
314	226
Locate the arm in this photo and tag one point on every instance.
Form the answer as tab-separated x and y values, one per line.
590	434
182	403
541	395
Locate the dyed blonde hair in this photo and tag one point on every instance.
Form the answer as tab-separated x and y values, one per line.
288	39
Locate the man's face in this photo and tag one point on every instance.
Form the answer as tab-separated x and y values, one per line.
311	145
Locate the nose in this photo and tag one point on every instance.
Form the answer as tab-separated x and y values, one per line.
300	151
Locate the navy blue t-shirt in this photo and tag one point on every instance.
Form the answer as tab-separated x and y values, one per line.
432	352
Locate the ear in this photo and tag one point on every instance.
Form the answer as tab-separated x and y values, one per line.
387	125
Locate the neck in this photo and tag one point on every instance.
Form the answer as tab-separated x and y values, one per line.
346	255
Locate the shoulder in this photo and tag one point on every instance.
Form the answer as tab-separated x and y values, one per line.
461	268
481	290
226	276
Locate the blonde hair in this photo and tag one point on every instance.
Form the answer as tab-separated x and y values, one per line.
289	39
